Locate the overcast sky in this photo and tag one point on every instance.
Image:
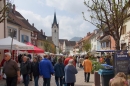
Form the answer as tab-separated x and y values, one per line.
69	16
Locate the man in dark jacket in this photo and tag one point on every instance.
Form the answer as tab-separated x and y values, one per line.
46	69
35	70
25	70
11	70
59	72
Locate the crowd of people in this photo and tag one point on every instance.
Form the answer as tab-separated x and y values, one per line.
64	70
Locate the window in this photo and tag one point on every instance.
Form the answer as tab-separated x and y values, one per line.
41	44
10	30
123	30
24	38
34	43
107	44
55	31
94	47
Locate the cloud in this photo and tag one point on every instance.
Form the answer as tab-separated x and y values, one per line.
75	6
68	27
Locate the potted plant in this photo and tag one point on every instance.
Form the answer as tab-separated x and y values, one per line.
96	66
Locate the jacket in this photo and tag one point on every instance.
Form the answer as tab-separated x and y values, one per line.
59	69
46	68
87	64
35	68
67	60
25	68
70	72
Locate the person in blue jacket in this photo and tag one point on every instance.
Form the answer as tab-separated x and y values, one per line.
46	70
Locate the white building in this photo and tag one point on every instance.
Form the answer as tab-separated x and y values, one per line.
95	40
125	35
68	47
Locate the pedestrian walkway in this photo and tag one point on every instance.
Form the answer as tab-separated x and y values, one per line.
79	80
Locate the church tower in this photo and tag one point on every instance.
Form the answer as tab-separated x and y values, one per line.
55	33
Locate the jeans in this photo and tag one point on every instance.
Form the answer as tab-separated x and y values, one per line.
57	81
26	79
11	81
36	78
86	76
70	84
46	81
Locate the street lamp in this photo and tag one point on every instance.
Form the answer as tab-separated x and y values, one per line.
13	33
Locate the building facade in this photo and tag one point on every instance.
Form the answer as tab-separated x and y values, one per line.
125	35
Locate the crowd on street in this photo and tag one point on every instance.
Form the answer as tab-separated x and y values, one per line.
63	69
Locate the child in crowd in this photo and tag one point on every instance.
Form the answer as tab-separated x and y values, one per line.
119	80
120	74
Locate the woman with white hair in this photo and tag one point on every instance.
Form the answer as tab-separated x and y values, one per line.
70	72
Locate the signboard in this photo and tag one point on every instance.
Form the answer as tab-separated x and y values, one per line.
122	60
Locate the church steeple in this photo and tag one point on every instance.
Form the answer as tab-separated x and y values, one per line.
55	20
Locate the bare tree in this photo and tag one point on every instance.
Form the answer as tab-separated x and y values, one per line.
3	10
108	14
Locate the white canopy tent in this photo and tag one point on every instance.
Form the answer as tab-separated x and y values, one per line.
16	45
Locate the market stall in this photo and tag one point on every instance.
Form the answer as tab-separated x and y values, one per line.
16	45
35	50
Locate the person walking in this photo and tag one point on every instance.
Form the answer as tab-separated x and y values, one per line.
11	70
59	72
70	72
87	65
25	70
35	70
81	61
46	70
67	60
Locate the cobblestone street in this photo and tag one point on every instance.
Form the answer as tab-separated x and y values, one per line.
79	80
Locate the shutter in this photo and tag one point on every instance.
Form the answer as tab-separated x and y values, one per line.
27	38
22	38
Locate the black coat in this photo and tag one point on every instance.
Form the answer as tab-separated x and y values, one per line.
35	68
25	68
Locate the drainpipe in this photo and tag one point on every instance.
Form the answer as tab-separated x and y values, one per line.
4	20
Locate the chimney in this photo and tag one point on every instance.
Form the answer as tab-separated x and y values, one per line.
88	33
41	31
33	24
10	7
14	8
27	20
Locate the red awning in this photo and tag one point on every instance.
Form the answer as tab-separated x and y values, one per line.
36	49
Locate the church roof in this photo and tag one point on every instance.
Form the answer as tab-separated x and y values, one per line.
61	41
49	38
70	43
55	21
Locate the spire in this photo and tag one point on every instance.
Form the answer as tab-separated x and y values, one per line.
54	21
